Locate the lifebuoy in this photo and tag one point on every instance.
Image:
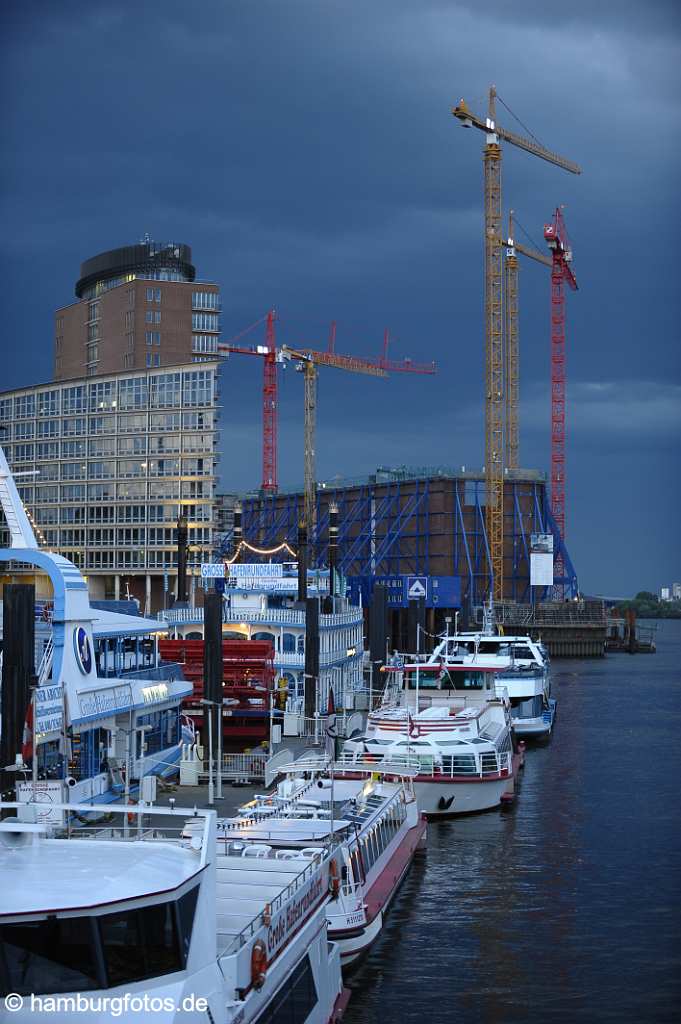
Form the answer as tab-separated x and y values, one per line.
334	879
258	964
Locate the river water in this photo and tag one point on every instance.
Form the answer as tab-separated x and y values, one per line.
566	906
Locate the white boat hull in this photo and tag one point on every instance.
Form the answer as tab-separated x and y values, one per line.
444	798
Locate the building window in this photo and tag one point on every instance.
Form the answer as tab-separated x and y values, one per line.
93	332
164	443
153	359
132	424
153	316
93	311
165	421
24	431
103	446
152	337
101	492
73	471
48	428
133	393
74	426
102	424
5	409
205	343
166	390
205	322
47	450
73	492
46	493
72	449
205	300
23	452
132	445
74	399
48	403
198	388
72	514
24	407
103	396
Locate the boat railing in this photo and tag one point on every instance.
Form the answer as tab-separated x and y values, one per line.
118	823
236	942
492	764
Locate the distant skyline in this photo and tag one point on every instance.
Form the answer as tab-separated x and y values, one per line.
307	153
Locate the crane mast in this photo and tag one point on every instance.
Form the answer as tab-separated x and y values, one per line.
561	273
494	359
270	484
512	368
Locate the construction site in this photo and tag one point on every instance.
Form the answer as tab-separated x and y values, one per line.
435	542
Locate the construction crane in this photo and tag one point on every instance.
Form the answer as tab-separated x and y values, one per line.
271	356
268	352
494	354
556	236
512	352
308	360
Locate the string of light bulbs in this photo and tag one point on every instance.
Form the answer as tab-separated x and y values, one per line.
260	551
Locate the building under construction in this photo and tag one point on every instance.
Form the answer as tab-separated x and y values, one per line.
422	522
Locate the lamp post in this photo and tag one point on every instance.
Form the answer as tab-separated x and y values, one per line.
142	729
210	704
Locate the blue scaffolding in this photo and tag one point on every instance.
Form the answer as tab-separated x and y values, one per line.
421	525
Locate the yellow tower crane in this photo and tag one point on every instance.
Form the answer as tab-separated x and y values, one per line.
494	349
308	360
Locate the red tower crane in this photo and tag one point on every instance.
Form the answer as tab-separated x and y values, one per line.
556	235
271	356
268	352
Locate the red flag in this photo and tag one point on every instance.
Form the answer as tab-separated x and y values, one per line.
27	738
412	727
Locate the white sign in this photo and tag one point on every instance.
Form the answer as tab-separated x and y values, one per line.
105	701
269	569
213	570
541	570
46	794
541	560
49	709
417	587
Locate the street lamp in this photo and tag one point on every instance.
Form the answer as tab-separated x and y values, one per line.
211	794
142	729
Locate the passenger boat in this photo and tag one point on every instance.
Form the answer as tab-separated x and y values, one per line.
170	925
453	727
367	818
523	673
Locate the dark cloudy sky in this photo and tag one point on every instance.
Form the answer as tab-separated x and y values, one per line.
306	151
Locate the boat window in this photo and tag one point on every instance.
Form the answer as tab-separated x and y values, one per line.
451	743
295	1000
412	743
139	943
55	955
427	680
186	908
78	954
459	764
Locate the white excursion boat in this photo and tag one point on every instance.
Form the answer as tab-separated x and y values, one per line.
369	822
523	673
160	925
453	728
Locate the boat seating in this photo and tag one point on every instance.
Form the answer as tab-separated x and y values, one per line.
257	850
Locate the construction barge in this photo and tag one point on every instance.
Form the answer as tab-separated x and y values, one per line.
568	629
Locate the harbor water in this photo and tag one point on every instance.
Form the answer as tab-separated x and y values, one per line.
566	906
